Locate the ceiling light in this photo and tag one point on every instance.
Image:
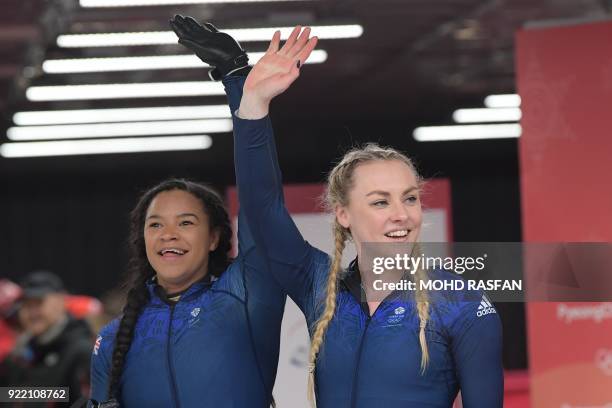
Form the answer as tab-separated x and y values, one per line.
116	91
80	65
134	3
105	146
61	117
173	127
466	132
487	115
503	101
169	37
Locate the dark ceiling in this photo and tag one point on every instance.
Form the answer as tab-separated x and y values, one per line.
416	62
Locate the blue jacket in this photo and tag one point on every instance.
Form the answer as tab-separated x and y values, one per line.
365	361
216	347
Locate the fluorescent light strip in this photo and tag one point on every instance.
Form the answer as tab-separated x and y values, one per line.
466	132
487	115
503	101
169	37
62	117
80	65
90	131
135	3
105	146
116	91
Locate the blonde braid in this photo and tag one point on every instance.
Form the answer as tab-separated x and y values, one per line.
422	302
340	235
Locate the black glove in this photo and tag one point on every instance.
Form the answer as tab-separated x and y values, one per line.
215	48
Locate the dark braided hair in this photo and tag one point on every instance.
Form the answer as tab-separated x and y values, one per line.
140	270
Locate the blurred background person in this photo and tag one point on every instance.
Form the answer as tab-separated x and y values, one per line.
54	349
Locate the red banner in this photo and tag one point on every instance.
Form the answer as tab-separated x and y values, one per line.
565	83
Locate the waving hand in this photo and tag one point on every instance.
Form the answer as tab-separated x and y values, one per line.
275	71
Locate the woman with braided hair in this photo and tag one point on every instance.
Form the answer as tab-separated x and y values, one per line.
198	329
414	351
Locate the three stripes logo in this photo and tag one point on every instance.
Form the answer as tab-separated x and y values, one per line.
485	307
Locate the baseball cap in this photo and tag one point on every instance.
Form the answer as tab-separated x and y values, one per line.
41	283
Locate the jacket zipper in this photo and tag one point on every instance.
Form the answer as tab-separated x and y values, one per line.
356	375
175	399
366	311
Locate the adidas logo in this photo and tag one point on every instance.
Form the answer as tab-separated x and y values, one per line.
485	307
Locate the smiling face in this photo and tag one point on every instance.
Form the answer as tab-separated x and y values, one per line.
383	204
178	239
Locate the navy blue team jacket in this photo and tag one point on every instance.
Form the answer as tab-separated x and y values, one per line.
216	347
365	361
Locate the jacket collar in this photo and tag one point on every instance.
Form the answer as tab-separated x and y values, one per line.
351	281
158	293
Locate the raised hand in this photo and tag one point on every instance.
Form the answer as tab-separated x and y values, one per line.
275	71
215	48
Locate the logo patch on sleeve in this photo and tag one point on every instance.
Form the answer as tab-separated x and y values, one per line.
97	345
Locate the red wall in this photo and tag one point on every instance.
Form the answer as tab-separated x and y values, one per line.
565	82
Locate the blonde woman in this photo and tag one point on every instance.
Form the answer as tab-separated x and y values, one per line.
398	351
